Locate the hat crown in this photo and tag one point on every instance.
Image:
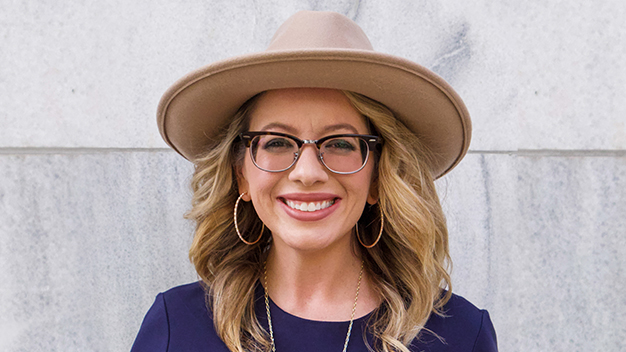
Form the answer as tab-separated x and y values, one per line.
308	30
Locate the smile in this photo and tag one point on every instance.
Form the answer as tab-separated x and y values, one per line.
312	206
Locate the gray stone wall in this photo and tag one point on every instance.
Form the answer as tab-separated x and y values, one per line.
91	200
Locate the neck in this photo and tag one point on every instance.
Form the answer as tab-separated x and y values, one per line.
318	285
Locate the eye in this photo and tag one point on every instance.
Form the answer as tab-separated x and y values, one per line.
340	145
276	144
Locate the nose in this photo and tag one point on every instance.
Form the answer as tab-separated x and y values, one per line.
308	170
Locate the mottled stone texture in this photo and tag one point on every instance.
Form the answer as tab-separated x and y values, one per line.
91	230
86	241
541	242
540	75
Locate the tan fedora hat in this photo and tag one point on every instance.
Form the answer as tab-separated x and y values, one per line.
322	50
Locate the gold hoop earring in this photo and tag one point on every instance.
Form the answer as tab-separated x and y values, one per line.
237	227
380	233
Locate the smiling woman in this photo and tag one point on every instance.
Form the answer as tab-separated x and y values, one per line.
312	114
318	224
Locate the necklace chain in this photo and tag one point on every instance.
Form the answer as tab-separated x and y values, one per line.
269	315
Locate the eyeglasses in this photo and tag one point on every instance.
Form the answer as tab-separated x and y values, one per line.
340	153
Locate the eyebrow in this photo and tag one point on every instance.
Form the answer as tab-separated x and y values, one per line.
340	126
280	126
327	129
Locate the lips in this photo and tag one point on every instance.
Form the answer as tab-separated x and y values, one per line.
309	206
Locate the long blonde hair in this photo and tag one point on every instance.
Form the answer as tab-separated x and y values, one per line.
408	266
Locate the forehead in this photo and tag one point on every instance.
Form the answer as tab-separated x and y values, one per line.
306	111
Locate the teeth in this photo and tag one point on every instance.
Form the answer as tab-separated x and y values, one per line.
310	206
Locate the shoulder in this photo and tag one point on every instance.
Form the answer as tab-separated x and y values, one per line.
178	321
463	327
190	296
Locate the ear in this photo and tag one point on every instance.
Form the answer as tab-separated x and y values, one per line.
372	197
242	184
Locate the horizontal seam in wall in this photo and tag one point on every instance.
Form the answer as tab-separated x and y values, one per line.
519	152
556	152
37	150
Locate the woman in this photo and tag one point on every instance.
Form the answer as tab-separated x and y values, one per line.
318	224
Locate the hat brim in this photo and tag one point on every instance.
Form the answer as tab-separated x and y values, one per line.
195	108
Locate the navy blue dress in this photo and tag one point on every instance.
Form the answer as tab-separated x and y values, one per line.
179	321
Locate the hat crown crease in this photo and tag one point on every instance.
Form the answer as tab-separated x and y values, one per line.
309	30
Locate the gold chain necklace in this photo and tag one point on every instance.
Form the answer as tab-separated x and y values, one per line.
269	316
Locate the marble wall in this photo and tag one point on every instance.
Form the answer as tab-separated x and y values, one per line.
91	200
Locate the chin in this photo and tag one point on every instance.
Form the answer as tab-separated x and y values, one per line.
310	240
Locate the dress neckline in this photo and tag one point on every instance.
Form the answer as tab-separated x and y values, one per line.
286	315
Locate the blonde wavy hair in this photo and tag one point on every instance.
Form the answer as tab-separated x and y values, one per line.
409	266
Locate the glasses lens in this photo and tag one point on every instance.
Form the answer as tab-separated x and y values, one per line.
344	154
273	153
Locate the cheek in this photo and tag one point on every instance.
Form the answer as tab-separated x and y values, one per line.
358	189
260	183
365	178
362	187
